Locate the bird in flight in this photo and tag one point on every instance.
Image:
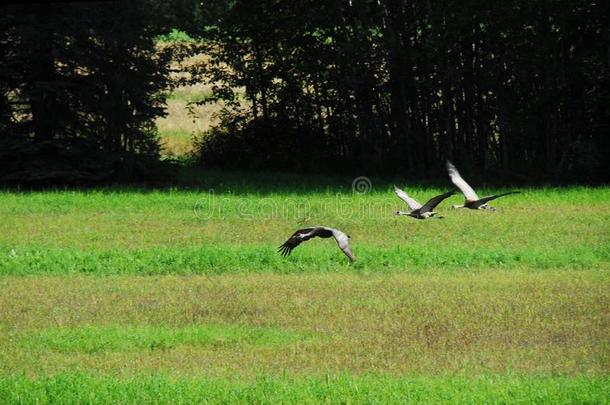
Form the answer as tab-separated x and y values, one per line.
472	200
416	209
322	232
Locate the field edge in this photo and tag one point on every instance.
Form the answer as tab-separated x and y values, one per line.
78	388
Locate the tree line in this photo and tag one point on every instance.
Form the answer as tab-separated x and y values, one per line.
518	89
81	84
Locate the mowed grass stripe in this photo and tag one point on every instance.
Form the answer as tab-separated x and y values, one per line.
185	232
71	388
495	321
115	338
316	256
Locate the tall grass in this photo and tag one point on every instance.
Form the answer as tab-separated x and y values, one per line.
82	388
120	338
234	230
247	324
185	120
135	295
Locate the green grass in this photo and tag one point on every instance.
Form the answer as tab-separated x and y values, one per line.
317	258
116	338
233	229
174	35
377	389
135	295
177	135
189	96
404	324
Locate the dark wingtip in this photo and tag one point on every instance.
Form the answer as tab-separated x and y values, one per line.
284	250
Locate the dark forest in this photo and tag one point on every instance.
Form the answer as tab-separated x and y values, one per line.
512	90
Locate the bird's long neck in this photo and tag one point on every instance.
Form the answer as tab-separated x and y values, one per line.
403	213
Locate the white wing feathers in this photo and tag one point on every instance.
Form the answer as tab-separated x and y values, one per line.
303	235
413	205
460	183
343	243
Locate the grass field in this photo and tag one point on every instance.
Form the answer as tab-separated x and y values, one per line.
185	121
136	295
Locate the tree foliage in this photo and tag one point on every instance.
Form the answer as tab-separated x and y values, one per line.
520	88
81	86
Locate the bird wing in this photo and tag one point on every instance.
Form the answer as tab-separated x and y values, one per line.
434	201
343	243
460	183
295	240
493	197
413	204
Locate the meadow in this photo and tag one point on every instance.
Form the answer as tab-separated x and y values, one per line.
184	121
138	295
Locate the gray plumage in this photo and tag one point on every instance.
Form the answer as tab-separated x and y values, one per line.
416	209
472	200
305	234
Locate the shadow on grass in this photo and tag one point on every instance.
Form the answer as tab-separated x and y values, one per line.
179	176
